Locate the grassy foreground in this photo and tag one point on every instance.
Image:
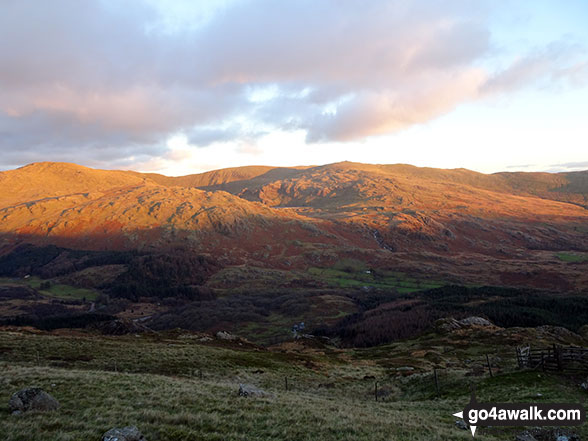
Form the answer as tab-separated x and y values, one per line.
155	384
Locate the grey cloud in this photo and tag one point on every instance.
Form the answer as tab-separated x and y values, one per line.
520	166
570	166
54	136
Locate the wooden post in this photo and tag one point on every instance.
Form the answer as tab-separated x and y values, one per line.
200	373
376	390
436	382
557	355
286	383
489	365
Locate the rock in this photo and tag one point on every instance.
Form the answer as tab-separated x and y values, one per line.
525	436
130	433
460	424
446	325
449	324
248	390
547	434
475	321
558	332
223	335
32	398
405	369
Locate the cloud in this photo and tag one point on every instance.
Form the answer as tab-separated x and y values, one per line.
102	83
520	166
548	65
570	166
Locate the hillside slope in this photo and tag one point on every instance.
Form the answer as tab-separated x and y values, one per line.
448	222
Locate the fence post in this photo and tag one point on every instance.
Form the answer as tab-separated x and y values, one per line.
489	365
376	390
557	355
286	383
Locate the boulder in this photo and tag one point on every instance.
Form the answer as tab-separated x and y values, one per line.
461	424
248	390
130	433
32	398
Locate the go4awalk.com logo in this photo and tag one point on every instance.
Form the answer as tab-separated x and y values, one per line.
520	414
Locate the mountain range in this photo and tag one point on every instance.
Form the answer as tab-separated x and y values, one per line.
300	216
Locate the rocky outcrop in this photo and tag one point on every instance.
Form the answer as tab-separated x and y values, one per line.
449	324
583	331
32	398
223	335
474	321
547	434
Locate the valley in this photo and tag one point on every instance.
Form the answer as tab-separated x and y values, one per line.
357	252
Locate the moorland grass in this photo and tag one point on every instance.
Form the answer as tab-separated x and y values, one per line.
153	381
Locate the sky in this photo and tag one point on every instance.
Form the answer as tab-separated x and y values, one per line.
184	86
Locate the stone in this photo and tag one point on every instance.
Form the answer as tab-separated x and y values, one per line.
130	433
460	424
248	390
525	436
32	398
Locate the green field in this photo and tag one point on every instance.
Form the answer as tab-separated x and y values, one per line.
572	258
359	278
55	290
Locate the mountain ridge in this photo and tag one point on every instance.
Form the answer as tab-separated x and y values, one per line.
297	217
